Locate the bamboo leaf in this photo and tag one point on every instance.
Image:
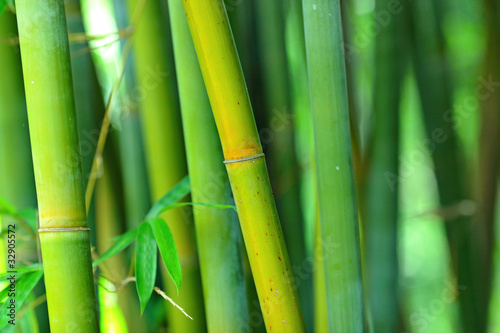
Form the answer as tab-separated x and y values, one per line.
178	192
120	244
23	288
145	264
20	272
168	250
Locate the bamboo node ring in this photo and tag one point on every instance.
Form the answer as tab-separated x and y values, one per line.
244	159
63	229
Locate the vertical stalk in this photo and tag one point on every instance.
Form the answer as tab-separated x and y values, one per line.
301	106
17	183
489	167
381	202
165	153
320	311
334	168
217	231
245	165
64	235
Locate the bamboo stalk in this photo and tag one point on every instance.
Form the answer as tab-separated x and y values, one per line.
17	183
165	153
382	192
334	168
245	165
301	106
217	231
57	164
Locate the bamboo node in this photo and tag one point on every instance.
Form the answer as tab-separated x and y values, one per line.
244	159
63	229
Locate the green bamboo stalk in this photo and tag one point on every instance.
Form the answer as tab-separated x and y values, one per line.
489	168
17	183
320	311
217	231
245	165
382	190
334	169
65	242
304	141
165	153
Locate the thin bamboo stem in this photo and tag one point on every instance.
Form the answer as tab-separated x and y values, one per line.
165	155
381	202
334	168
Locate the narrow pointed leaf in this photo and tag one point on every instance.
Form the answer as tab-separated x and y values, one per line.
145	263
178	192
121	243
168	250
23	288
20	272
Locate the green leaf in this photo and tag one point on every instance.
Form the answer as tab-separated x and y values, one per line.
24	287
121	243
6	207
178	192
145	263
168	250
21	271
182	204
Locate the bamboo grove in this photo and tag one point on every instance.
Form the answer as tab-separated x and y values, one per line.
249	166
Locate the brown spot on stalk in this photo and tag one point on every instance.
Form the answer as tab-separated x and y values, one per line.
279	258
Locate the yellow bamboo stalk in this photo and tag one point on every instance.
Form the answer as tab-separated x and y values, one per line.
245	165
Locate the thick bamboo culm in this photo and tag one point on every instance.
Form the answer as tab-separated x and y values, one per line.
64	236
245	165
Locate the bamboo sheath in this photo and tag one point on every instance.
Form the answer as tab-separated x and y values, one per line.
245	165
57	164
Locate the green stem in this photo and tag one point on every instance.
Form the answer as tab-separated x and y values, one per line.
57	164
334	168
382	190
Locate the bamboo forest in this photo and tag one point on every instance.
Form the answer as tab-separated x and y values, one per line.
249	166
